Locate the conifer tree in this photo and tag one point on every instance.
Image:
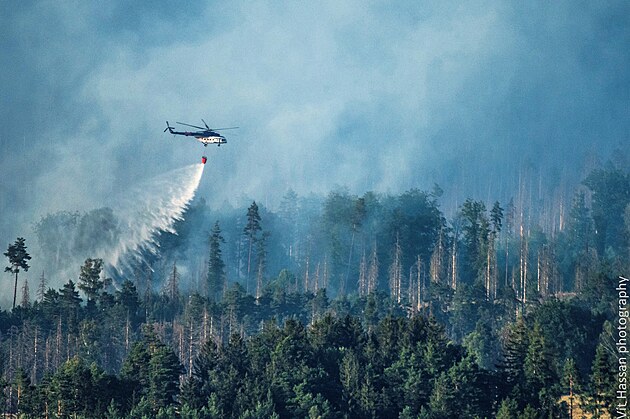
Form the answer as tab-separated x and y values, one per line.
216	266
18	259
251	230
69	303
570	382
537	367
603	380
514	353
90	281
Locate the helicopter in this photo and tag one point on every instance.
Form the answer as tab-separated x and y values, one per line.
206	136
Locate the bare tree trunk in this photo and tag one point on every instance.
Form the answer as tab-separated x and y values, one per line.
395	273
306	275
454	264
15	289
35	356
436	261
317	277
190	348
58	344
249	262
363	286
346	278
372	281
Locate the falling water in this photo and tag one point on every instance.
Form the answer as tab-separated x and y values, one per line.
149	208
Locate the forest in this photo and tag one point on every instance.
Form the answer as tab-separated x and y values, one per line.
336	306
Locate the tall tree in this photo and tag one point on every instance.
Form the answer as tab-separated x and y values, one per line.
90	281
537	368
216	266
18	257
476	229
251	230
69	303
611	195
603	380
570	382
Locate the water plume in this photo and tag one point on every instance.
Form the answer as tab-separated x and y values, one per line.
151	207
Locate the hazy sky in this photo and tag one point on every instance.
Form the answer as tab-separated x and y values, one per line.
372	95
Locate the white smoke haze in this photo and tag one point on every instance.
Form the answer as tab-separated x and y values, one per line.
371	96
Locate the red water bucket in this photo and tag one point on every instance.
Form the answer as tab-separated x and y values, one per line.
204	159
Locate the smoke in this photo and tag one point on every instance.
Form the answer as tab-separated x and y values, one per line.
372	96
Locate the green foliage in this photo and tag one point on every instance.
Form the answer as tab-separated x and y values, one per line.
216	267
476	230
90	281
152	370
603	380
18	259
611	195
299	350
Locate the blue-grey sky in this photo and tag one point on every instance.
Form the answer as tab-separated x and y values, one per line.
372	95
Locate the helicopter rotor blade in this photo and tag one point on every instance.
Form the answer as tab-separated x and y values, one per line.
221	129
188	125
204	122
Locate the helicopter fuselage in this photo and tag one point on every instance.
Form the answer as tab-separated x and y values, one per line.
218	140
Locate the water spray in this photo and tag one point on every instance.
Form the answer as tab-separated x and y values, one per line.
150	208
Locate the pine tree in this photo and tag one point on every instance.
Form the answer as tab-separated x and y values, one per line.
216	267
603	380
508	409
476	229
18	257
164	371
69	303
514	352
251	230
90	281
570	382
537	368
